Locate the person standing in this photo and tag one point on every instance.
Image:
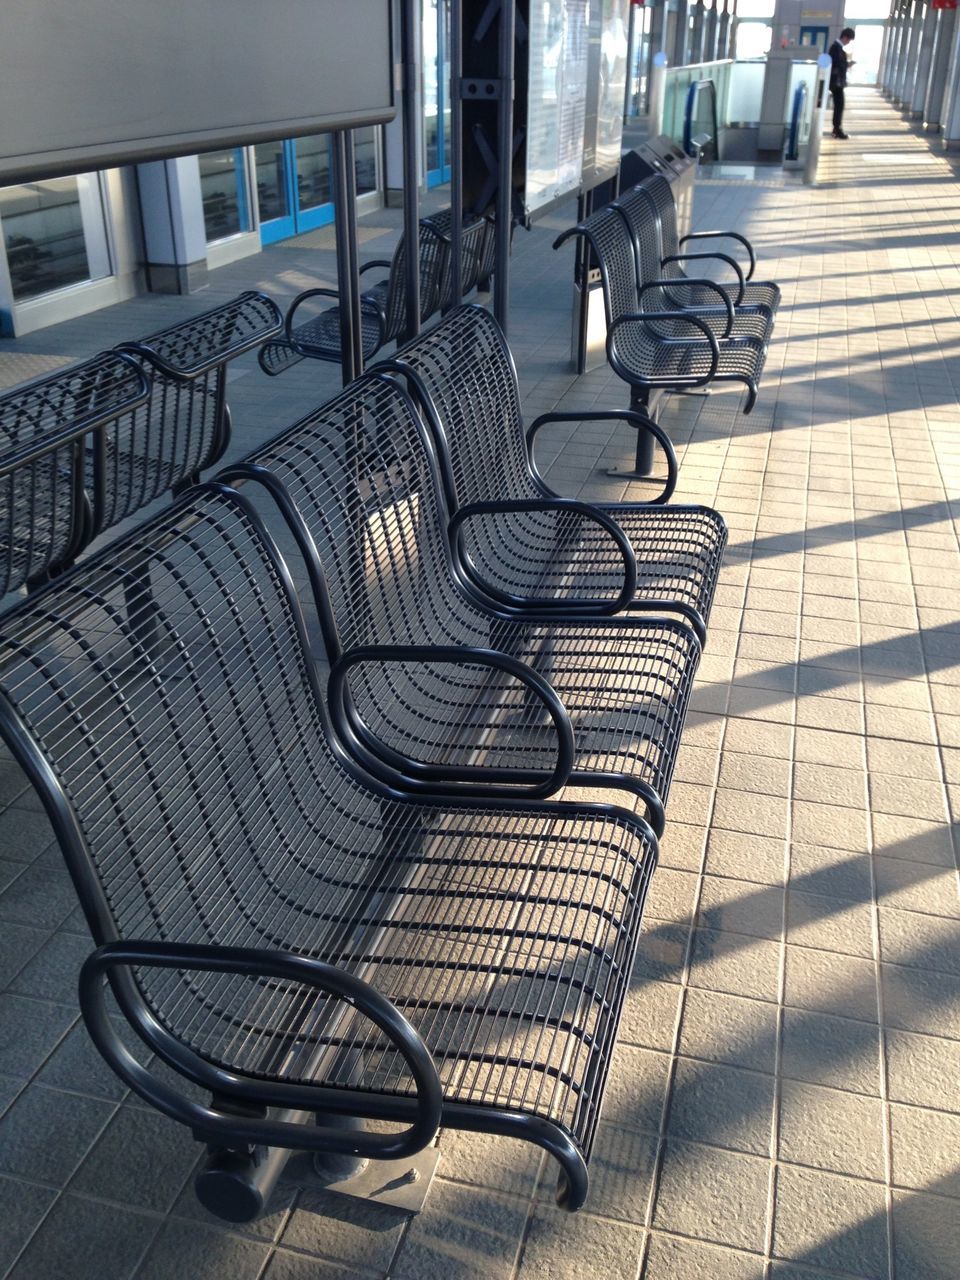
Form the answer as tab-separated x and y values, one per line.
838	77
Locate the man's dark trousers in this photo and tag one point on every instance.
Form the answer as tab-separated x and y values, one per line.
838	94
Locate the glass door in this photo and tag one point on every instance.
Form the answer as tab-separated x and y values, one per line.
294	186
436	90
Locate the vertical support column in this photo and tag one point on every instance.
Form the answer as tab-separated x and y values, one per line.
696	37
939	66
411	186
348	255
950	111
908	69
890	54
925	45
174	234
658	87
658	43
710	43
723	31
819	116
506	52
679	58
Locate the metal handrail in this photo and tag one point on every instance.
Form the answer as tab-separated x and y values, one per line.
796	116
693	94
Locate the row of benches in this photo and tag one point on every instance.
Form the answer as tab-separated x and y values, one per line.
305	800
667	331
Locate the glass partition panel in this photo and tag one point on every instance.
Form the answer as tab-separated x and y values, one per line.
271	181
746	92
44	235
365	152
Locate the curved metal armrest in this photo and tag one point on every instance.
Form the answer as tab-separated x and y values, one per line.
636	419
726	235
435	779
559	505
304	297
713	257
644	318
686	282
382	263
233	1129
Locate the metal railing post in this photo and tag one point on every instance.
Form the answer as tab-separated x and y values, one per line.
504	203
411	176
348	256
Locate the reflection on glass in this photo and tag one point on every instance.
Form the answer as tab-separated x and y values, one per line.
365	152
43	234
271	181
313	171
222	187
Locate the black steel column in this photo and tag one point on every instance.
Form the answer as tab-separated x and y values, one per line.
348	256
456	152
504	210
411	176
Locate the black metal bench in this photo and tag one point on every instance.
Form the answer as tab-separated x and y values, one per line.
657	291
425	668
655	191
383	308
46	515
656	351
93	443
478	238
516	539
296	940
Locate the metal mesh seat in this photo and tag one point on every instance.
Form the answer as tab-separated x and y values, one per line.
360	492
185	426
45	515
700	295
463	376
668	350
163	700
474	239
758	293
383	307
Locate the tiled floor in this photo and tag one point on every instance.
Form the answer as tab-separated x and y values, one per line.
784	1102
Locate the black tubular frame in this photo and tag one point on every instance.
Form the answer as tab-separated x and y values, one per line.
394	768
725	235
725	305
215	1127
524	604
236	1117
732	263
635	418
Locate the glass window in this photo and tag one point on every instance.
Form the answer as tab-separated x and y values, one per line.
223	185
365	150
313	171
753	39
271	181
755	8
44	236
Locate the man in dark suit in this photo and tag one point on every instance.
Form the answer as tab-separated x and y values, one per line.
838	77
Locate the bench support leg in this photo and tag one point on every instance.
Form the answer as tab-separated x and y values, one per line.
237	1185
643	457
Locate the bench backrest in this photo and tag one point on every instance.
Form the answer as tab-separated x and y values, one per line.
162	700
471	399
606	233
48	428
657	189
434	253
361	474
473	241
184	428
638	211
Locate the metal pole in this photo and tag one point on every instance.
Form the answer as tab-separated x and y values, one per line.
456	152
950	112
816	125
925	47
411	175
631	61
504	210
681	34
348	256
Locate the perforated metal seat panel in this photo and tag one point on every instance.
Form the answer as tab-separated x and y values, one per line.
465	368
169	690
358	471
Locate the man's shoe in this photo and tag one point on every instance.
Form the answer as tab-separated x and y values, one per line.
838	133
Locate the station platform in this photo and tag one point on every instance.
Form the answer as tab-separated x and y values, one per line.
785	1101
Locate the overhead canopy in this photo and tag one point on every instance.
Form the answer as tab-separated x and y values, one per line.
106	82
